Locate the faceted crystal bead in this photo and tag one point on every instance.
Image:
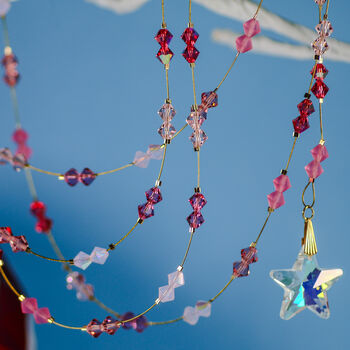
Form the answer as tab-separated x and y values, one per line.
42	315
251	27
324	28
141	159
94	328
176	279
209	99
300	124
319	153
146	210
282	183
155	151
163	36
20	136
153	195
11	76
82	260
320	89
306	107
320	46
190	54
196	118
190	315
165	55
19	161
87	176
249	255
166	293
195	219
203	308
141	324
320	71
43	225
275	200
4	7
19	244
198	138
240	269
109	325
29	305
166	131
71	177
189	36
127	316
38	209
243	44
167	112
314	169
197	201
5	234
99	255
24	150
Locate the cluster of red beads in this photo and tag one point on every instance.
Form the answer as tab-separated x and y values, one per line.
10	63
153	196
305	108
190	36
241	268
17	243
163	38
314	168
44	224
320	89
20	137
244	42
86	177
95	328
276	198
195	219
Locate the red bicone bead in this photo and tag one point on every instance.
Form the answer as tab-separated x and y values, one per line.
190	54
109	325
195	219
197	201
19	244
71	177
153	195
163	36
87	176
320	89
209	99
165	55
94	328
146	210
300	124
20	136
321	71
306	107
44	225
240	269
38	209
189	36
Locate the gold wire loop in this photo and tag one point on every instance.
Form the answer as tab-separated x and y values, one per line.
313	195
312	212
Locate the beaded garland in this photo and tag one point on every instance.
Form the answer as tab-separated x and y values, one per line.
311	288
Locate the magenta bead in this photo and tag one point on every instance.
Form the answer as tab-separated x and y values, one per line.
282	183
243	44
319	153
275	200
251	27
314	169
20	136
29	305
42	315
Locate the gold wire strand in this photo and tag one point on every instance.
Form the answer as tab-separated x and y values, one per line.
321	123
122	239
8	282
228	71
162	164
187	250
198	168
67	327
313	195
222	290
57	250
115	170
291	153
320	13
194	86
258	9
15	107
29	251
165	322
43	171
327	8
262	229
167	83
190	13
105	307
5	31
312	77
180	131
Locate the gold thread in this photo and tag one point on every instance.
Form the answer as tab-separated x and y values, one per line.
228	71
165	322
180	131
8	282
122	239
291	153
187	250
313	195
262	229
258	9
67	327
321	123
312	77
29	251
162	164
222	290
198	168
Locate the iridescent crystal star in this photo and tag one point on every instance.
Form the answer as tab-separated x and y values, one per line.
305	286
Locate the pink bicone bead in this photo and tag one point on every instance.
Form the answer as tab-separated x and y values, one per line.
282	183
42	315
320	153
314	169
24	150
29	305
275	199
20	136
251	27
243	44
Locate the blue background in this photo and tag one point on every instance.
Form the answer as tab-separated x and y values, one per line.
89	96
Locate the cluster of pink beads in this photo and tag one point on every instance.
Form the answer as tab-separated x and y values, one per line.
314	168
10	63
20	137
44	224
249	256
244	42
153	196
324	29
109	325
30	306
86	177
17	243
276	198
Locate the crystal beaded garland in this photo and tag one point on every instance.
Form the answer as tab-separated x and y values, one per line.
190	36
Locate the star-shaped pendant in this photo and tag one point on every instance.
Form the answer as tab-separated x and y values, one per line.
305	286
